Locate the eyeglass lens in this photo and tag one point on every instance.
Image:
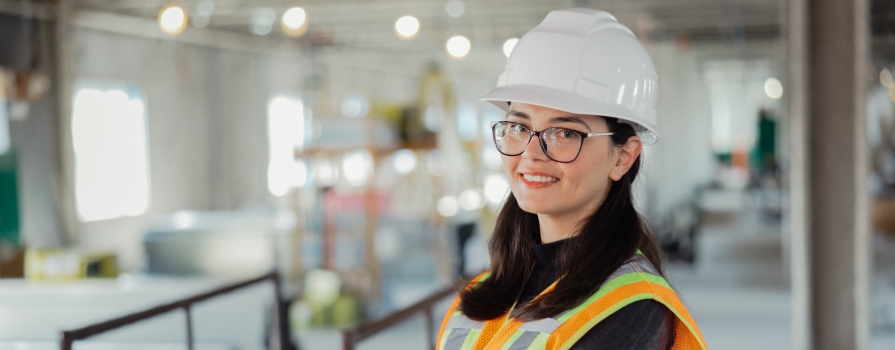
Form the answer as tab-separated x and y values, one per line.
561	145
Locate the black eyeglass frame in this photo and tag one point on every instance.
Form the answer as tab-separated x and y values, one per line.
541	141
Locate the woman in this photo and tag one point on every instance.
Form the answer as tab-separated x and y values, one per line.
573	265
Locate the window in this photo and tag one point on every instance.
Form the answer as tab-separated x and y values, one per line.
110	146
286	133
736	93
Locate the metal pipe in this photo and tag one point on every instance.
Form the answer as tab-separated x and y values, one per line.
363	331
282	313
430	337
348	341
69	337
189	328
65	341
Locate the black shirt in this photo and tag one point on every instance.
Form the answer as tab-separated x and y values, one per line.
644	324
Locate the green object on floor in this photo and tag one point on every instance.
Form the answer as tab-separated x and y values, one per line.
346	311
9	199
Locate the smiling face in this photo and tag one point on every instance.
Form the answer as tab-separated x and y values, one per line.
561	191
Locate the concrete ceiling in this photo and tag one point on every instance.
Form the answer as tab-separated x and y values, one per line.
367	24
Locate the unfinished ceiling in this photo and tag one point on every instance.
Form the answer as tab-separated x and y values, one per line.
368	24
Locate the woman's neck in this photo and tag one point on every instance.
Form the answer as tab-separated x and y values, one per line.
555	228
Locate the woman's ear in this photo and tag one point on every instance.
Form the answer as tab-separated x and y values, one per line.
627	154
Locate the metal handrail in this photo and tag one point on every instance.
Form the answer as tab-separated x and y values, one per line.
69	337
351	337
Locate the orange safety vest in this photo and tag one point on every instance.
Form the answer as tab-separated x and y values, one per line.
635	280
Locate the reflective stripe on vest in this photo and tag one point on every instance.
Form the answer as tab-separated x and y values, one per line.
635	280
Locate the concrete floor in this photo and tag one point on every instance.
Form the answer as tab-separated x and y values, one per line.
737	291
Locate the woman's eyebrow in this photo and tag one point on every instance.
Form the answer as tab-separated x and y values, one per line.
569	119
518	114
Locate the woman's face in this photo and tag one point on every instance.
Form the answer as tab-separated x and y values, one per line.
562	190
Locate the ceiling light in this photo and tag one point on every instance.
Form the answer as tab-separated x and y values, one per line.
172	19
404	161
447	206
435	163
454	8
204	10
458	46
358	167
407	27
295	22
262	20
509	45
471	199
205	7
773	88
325	173
885	78
496	189
355	106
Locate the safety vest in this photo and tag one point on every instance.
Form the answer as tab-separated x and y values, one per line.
635	280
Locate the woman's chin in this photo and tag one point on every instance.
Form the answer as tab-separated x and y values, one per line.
533	207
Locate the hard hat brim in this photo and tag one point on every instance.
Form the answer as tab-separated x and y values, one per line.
569	102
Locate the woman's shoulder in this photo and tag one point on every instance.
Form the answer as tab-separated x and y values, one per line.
636	268
644	324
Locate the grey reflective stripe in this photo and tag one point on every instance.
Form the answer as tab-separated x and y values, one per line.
463	322
623	270
638	263
545	325
524	340
644	265
455	339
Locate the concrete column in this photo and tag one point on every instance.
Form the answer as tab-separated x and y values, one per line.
796	172
64	81
838	196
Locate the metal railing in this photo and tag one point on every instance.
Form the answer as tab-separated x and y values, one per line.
282	338
351	337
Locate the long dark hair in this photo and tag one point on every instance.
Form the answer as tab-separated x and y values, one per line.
607	239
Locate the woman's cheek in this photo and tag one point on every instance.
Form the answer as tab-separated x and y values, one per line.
509	166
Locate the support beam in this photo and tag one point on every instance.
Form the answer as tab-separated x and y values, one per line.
838	196
796	172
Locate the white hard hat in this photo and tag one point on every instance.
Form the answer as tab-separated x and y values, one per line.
582	61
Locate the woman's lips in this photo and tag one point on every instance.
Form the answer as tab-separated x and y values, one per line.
536	181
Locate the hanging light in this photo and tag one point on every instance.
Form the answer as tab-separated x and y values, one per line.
458	46
496	189
204	11
447	206
471	199
454	8
773	88
407	27
262	20
295	22
885	78
358	167
404	161
172	19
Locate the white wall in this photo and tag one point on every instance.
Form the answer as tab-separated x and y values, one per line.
34	139
207	124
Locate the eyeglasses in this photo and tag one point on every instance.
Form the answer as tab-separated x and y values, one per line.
559	144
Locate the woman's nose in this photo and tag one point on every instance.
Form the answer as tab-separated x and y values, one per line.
533	150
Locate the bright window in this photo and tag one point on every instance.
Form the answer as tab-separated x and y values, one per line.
111	158
286	132
736	94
